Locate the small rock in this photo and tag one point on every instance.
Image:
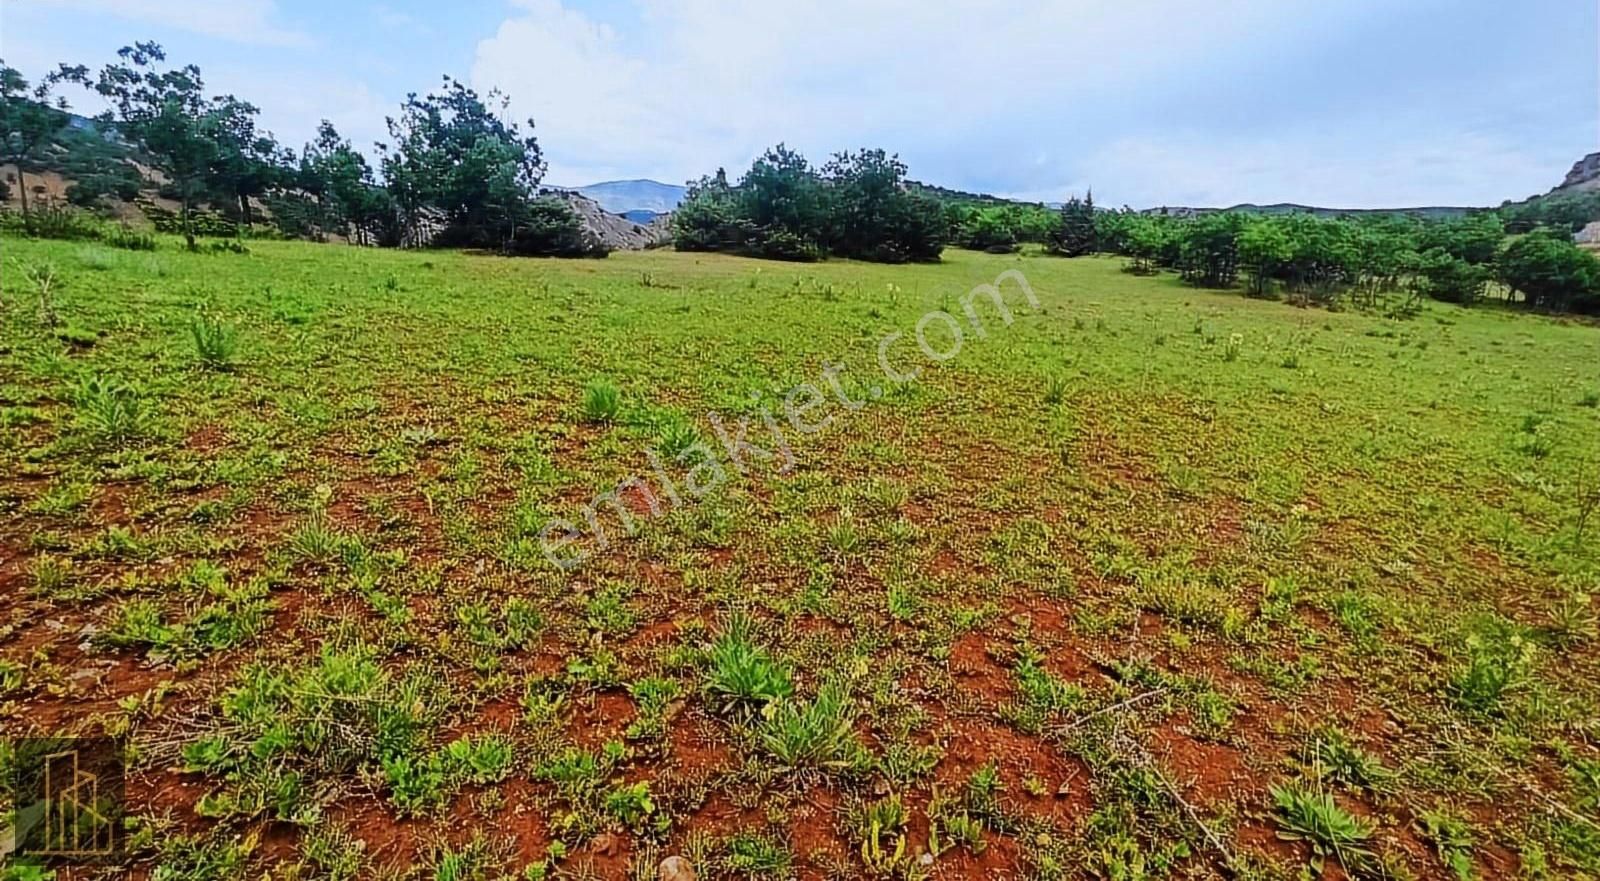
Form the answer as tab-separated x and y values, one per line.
676	869
604	844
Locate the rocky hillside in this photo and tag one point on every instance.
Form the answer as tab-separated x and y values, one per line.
1584	176
613	230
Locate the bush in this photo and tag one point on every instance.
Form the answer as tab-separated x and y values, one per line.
51	221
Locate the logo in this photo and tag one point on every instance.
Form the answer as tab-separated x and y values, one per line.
66	798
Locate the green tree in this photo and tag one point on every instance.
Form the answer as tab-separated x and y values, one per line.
166	112
873	216
1264	249
452	153
30	121
1209	249
783	199
248	162
1075	233
1551	272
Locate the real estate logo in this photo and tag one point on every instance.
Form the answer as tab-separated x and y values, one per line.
66	798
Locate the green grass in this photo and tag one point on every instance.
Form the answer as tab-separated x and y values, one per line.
1131	584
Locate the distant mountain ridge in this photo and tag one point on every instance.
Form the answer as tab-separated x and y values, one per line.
634	198
1433	212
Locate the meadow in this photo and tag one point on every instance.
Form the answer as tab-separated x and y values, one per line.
1151	582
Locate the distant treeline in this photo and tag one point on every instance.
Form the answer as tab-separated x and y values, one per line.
1325	259
454	171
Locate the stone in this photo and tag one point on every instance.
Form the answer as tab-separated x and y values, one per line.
676	869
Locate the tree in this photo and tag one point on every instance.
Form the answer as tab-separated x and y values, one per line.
708	218
1209	249
1449	279
1075	233
1145	241
1551	272
247	162
454	154
30	122
166	112
339	178
873	216
782	198
1264	248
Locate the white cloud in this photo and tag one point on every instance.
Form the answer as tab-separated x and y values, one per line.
683	86
1028	96
240	21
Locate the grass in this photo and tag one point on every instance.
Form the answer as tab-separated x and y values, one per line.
1128	586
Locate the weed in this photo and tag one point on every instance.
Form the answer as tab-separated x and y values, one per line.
1310	815
1452	840
112	410
740	671
1497	663
215	342
602	402
815	734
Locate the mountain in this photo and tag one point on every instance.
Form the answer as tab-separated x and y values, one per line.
1431	212
629	196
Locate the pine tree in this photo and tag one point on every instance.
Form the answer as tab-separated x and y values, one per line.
1074	235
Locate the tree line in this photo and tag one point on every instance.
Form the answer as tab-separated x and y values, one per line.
1316	259
455	169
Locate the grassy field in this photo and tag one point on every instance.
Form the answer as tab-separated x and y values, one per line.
1151	582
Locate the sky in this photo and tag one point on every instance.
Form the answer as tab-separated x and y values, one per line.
1347	103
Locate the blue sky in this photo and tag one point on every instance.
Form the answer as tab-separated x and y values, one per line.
1352	103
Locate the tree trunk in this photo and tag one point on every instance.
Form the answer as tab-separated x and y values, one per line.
188	223
22	192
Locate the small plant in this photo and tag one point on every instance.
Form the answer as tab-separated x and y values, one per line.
602	402
677	437
215	342
485	759
630	805
1341	760
881	828
1590	399
742	671
1574	622
1055	390
112	410
1452	840
316	541
43	278
817	734
1312	816
1498	661
1232	348
758	856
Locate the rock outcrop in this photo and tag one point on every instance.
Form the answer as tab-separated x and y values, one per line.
613	230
